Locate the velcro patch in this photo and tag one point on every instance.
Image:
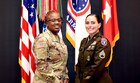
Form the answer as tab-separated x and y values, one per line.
104	41
102	54
40	45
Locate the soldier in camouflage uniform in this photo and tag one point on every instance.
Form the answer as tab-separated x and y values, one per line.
50	53
94	53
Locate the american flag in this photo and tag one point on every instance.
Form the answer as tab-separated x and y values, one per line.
28	32
76	14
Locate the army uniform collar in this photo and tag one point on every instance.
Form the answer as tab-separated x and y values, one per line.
94	37
53	37
89	40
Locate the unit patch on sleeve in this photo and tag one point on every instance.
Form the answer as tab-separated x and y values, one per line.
104	41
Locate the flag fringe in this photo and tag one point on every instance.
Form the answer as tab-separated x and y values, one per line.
23	81
111	54
70	39
116	38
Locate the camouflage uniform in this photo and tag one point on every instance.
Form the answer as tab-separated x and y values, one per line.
50	58
94	53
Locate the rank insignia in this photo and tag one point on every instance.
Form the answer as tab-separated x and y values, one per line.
102	54
103	41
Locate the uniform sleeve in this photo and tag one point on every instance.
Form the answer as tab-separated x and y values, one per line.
41	50
66	75
100	58
77	80
66	70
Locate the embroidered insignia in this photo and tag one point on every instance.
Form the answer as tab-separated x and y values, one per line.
40	45
92	46
88	58
94	43
103	41
102	54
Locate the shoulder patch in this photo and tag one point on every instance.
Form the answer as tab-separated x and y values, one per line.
40	45
104	41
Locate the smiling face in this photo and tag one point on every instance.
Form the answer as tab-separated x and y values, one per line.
92	25
53	22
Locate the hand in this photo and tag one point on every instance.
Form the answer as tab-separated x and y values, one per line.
88	77
64	81
61	81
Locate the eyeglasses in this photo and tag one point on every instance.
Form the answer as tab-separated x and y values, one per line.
53	20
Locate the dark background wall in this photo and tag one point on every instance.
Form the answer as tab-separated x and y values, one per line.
126	60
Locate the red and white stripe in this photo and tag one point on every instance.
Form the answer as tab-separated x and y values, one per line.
26	55
53	5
